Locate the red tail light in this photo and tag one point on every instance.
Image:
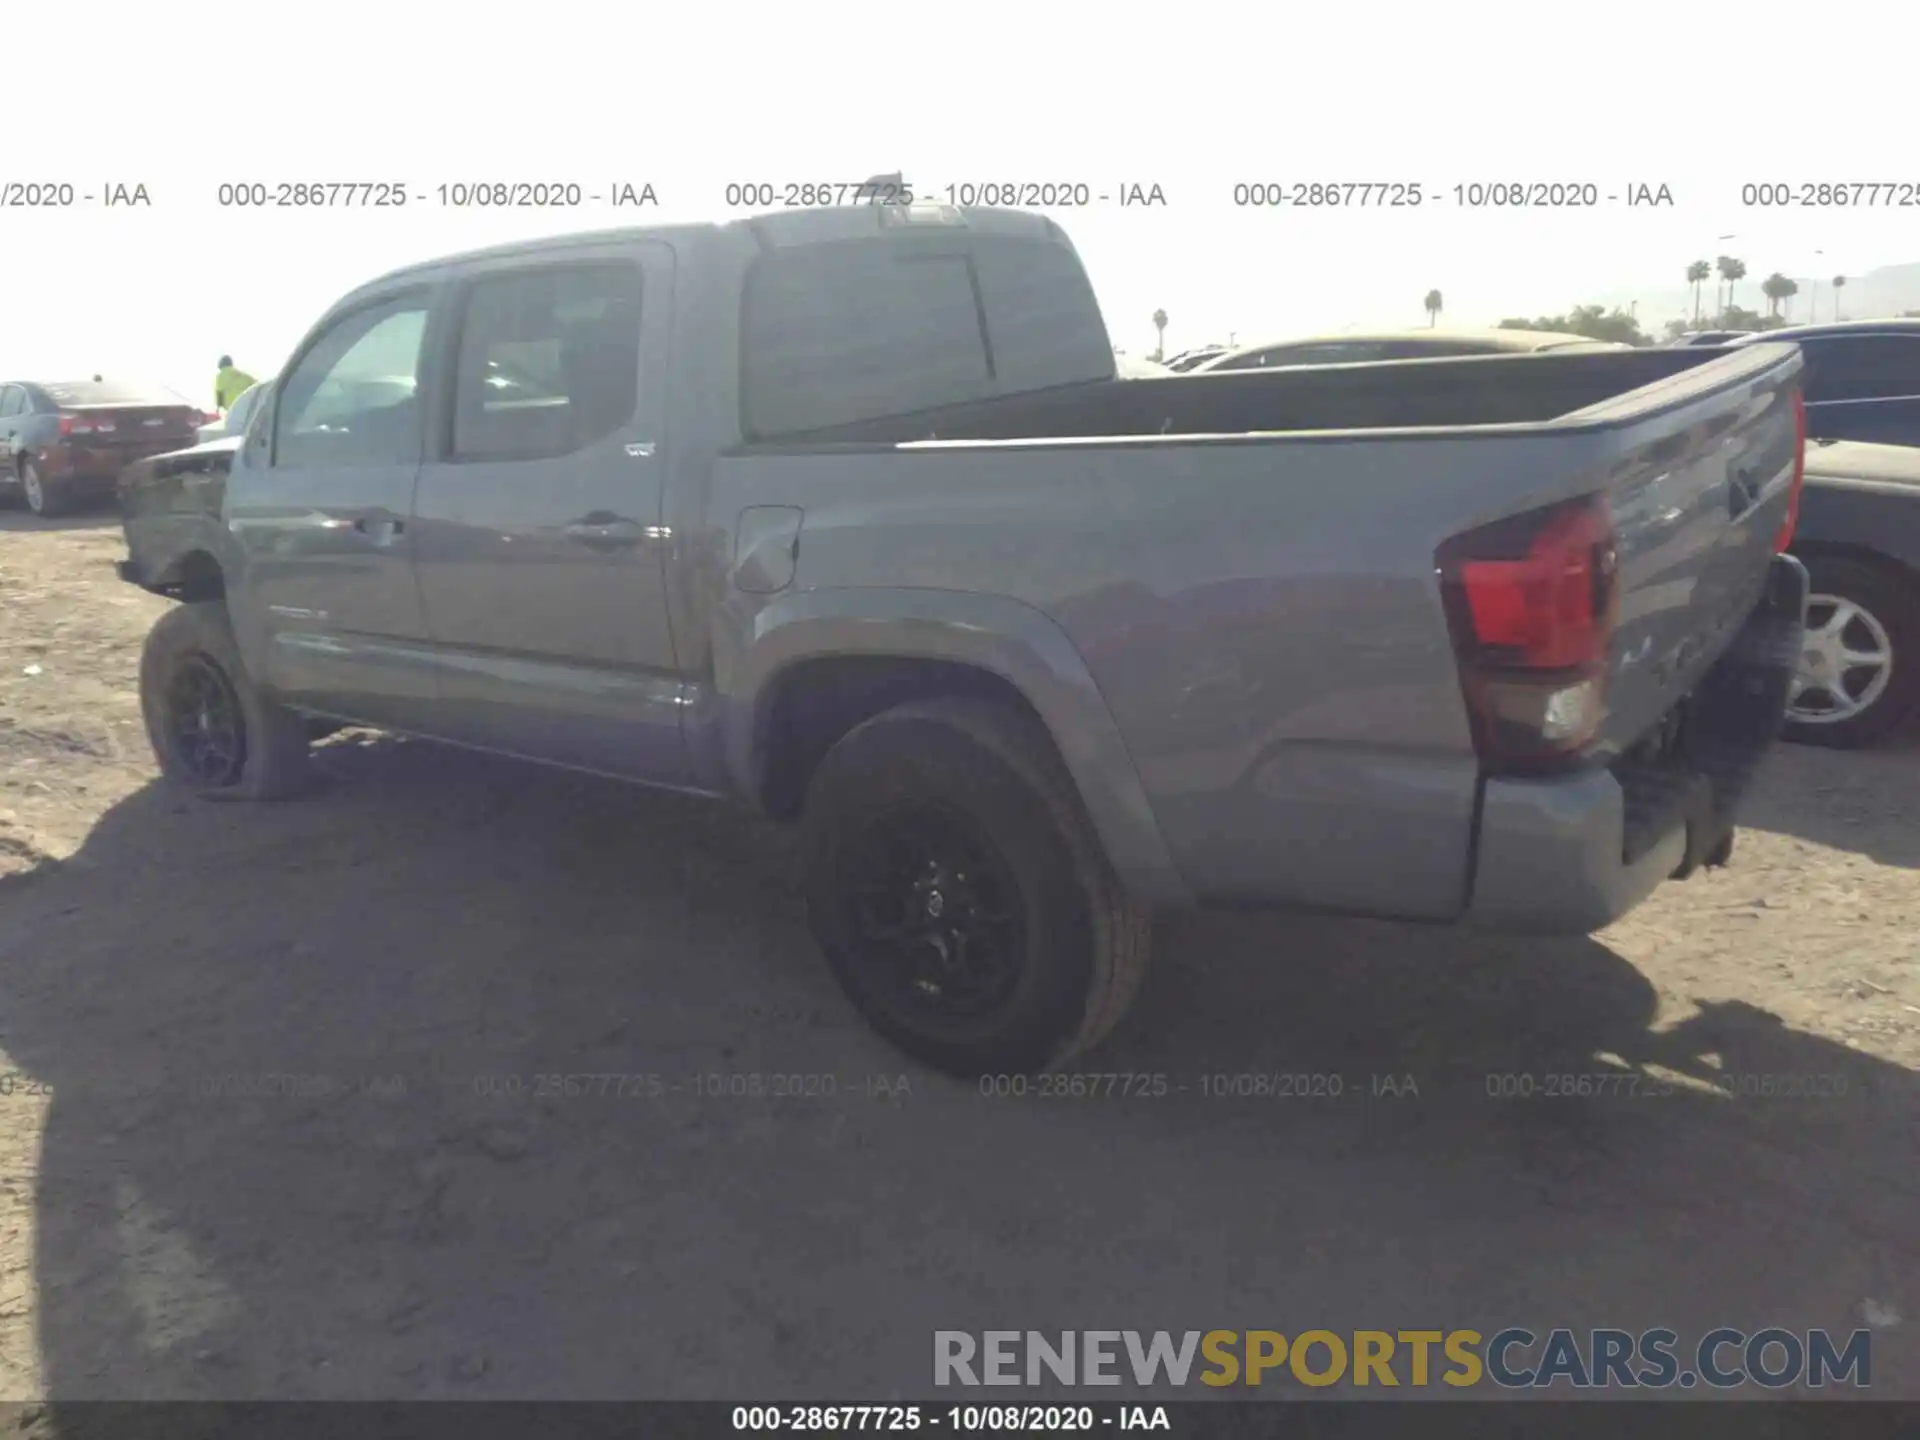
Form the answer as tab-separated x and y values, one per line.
86	425
1532	602
1787	526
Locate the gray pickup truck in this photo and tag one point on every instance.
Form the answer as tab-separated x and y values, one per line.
845	514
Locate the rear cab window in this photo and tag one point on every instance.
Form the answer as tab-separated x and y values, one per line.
839	332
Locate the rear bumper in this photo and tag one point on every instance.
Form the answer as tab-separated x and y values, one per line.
94	484
98	473
1573	854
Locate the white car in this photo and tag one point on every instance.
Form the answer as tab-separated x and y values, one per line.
244	404
1358	349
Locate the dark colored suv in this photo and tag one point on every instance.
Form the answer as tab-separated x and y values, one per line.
67	441
1862	376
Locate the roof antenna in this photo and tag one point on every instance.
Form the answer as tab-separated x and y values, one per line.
888	189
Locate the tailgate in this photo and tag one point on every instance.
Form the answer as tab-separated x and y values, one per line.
1698	490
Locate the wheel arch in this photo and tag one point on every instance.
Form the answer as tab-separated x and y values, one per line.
1865	554
812	665
195	574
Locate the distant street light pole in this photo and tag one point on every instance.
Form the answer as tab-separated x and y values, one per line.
1813	293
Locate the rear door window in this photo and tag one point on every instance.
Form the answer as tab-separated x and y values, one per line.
549	361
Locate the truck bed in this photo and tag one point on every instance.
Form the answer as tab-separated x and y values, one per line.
1259	610
1400	394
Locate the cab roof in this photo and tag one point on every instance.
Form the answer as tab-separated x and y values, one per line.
770	230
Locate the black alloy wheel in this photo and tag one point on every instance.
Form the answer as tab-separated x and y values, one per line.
935	911
206	728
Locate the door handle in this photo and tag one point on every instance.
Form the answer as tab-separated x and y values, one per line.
601	531
379	528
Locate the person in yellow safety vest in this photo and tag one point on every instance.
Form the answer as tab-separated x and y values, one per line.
229	384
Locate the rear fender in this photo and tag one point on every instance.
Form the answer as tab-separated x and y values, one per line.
1000	635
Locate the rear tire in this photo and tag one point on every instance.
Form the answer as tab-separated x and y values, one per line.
45	498
951	830
212	731
1885	617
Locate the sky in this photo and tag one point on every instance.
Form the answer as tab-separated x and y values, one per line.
1193	100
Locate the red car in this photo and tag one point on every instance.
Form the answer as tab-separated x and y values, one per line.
67	441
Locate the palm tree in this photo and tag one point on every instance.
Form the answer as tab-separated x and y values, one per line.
1839	284
1698	273
1434	304
1732	271
1160	327
1776	287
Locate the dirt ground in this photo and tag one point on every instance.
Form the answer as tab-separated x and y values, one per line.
422	940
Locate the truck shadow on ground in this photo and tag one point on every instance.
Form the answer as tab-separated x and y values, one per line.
420	1209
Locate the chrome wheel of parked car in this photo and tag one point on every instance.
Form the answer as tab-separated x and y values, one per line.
40	499
1855	683
1845	663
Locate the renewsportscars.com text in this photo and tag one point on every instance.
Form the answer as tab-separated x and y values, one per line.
1513	1358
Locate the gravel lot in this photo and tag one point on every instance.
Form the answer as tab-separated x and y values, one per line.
434	931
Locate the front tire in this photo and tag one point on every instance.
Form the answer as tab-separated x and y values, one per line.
959	892
212	731
1858	680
